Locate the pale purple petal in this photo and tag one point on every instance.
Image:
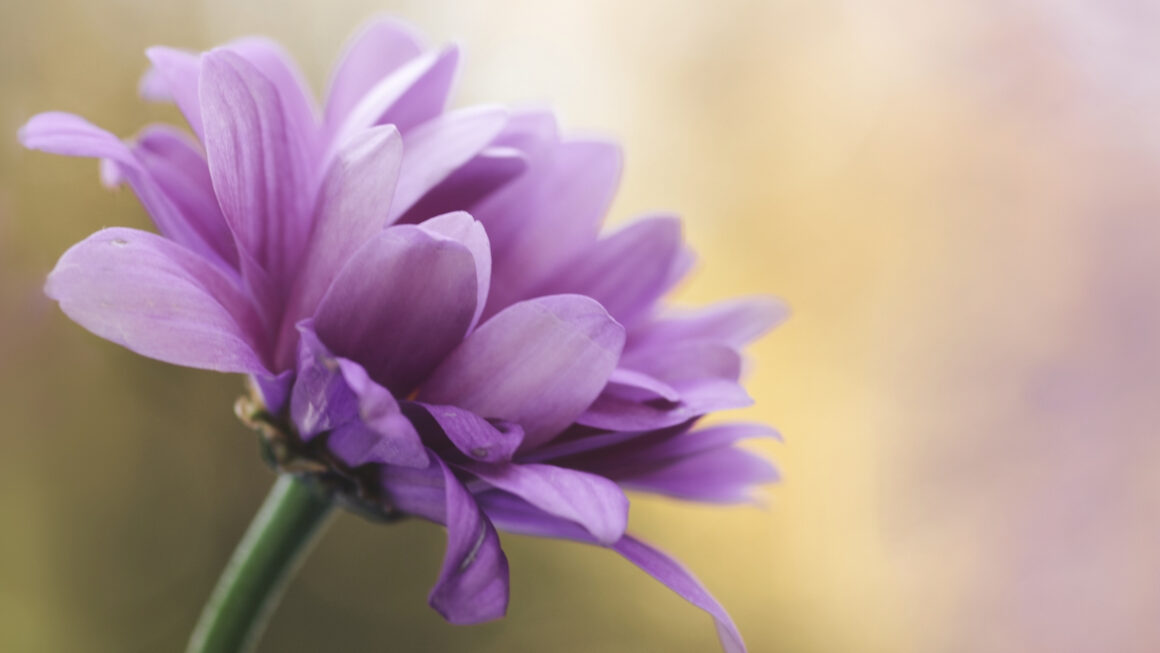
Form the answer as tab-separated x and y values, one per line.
440	146
402	302
352	208
475	436
539	363
158	299
591	501
486	173
379	49
722	475
260	178
175	77
381	434
548	215
414	93
63	133
627	271
463	229
638	386
473	582
674	576
735	322
321	399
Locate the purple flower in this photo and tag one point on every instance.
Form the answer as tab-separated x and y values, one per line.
423	299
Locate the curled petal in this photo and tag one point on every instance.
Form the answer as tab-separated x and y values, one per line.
474	436
473	582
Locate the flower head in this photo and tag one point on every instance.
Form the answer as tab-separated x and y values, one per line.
423	299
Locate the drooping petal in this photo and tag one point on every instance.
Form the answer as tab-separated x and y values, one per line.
674	576
174	77
381	434
486	173
176	218
379	49
735	322
627	271
463	229
414	93
473	582
401	303
474	436
547	216
260	177
591	501
440	146
352	207
539	363
158	299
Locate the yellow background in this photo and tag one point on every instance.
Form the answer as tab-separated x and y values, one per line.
958	199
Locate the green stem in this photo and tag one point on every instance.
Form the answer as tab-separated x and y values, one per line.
251	586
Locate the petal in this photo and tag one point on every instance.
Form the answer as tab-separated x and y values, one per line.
381	434
591	501
174	76
150	174
475	436
539	363
473	582
259	177
414	93
639	386
379	49
547	216
736	323
352	208
486	173
674	576
463	229
402	302
321	400
723	475
158	299
181	172
627	271
440	146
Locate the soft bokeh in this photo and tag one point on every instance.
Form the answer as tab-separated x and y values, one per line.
959	199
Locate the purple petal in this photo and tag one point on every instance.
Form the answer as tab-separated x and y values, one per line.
475	436
547	216
627	271
539	363
180	170
591	501
674	576
158	299
352	208
486	173
381	434
723	475
473	582
440	146
402	302
735	323
321	400
260	178
379	49
639	386
463	229
414	93
154	179
174	76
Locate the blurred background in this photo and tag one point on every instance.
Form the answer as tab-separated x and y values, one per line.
960	200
